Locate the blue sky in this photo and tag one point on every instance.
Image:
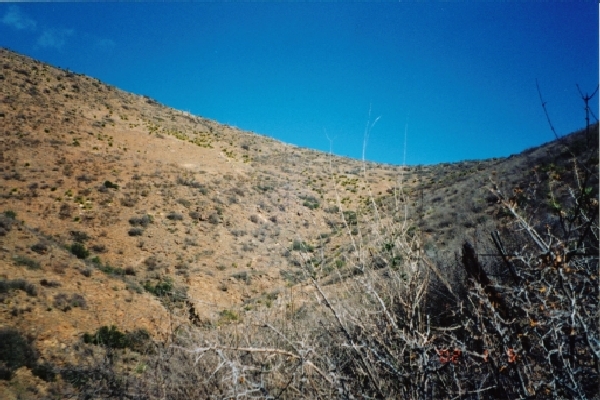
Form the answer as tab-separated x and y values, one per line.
459	78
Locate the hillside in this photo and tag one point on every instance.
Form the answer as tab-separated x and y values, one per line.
121	211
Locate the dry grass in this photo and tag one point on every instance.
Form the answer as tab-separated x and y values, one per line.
258	269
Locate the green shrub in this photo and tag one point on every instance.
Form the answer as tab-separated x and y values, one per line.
135	232
143	221
110	185
113	338
45	282
15	352
79	250
173	216
10	214
297	245
107	336
162	288
39	248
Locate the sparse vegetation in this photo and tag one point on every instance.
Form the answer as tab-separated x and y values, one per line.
26	262
310	201
110	270
281	272
298	245
228	316
65	303
17	284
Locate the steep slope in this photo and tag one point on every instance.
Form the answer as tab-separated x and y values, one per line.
121	211
153	198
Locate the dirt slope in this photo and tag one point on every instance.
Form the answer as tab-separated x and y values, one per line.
111	199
